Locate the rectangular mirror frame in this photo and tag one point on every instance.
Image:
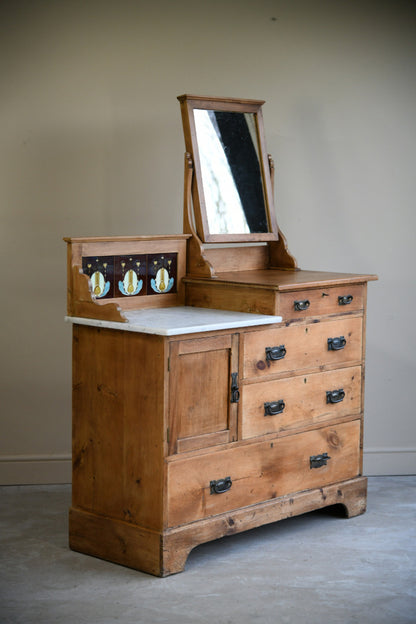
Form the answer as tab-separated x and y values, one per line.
188	104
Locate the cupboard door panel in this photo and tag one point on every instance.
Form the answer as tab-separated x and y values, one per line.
214	483
301	401
198	411
302	347
201	412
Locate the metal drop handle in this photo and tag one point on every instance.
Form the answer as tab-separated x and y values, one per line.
220	486
300	306
316	461
273	408
345	299
336	344
335	396
275	353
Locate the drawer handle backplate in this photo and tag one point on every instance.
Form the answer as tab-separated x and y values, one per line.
335	396
275	353
300	306
336	344
274	408
220	486
316	461
345	299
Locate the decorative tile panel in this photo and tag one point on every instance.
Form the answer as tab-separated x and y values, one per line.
132	275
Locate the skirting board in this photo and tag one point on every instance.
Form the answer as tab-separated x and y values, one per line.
389	461
35	469
50	469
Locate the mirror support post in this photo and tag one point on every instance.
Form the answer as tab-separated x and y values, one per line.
279	254
197	263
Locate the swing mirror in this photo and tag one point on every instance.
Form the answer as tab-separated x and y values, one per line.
232	192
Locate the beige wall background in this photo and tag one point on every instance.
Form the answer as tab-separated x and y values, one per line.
91	144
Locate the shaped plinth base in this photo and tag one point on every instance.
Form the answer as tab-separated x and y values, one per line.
165	553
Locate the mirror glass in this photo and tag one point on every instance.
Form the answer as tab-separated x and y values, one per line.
231	172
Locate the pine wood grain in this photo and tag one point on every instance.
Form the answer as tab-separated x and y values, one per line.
306	347
304	398
283	280
222	296
115	540
322	301
272	291
350	495
200	378
119	411
163	554
261	471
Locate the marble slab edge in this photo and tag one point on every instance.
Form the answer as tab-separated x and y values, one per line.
179	320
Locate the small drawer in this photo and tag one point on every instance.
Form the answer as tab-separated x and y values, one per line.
317	302
286	404
302	347
210	484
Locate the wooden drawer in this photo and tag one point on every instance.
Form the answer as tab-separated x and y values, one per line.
301	401
303	347
319	301
260	471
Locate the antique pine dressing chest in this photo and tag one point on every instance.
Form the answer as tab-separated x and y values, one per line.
216	386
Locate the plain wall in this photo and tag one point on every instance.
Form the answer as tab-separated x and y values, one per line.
91	144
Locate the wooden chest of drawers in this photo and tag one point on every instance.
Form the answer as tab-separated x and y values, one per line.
182	439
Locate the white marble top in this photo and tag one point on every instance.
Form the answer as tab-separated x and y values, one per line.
179	320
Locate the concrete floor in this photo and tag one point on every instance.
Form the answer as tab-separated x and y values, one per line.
317	568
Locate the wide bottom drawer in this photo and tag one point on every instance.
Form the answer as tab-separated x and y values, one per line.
205	485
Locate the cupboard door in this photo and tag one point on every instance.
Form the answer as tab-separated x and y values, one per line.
202	391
